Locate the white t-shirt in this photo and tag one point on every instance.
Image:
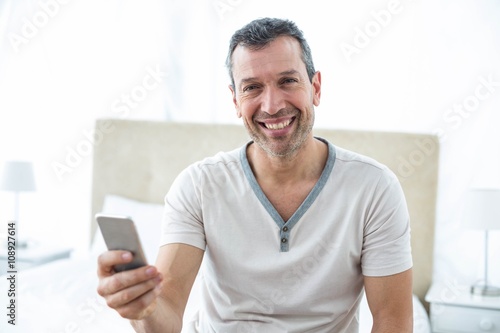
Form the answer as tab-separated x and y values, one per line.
260	274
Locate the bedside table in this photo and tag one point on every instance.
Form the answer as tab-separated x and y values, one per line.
454	309
33	255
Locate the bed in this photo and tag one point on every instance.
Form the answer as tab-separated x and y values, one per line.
135	162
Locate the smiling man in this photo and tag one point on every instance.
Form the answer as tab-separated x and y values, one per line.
275	96
291	229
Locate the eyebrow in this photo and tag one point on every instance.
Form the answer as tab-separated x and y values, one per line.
289	72
284	73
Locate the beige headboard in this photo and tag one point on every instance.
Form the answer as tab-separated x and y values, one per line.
140	159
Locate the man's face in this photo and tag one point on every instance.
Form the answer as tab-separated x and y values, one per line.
274	96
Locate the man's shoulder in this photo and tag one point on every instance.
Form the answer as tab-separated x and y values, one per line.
349	156
353	165
219	159
218	164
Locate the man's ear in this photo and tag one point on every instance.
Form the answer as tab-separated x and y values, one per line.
316	85
235	101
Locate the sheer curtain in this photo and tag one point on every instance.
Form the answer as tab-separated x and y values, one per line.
64	64
412	66
461	85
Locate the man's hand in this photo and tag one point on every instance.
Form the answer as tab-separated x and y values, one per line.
131	293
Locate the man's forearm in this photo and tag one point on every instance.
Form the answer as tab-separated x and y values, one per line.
162	320
400	325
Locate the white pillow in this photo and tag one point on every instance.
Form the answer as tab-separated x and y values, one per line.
147	218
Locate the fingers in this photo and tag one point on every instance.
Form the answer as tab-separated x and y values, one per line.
117	282
124	288
132	293
108	259
139	307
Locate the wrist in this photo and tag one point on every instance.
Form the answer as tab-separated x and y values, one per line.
158	319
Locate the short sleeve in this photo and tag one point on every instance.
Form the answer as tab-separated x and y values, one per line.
182	218
386	242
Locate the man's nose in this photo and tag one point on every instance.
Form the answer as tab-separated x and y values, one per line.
272	100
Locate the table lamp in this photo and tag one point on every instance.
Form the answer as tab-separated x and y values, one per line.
482	212
17	177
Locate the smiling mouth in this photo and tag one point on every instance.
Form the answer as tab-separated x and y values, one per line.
277	126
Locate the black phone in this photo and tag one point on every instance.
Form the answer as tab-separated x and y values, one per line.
120	233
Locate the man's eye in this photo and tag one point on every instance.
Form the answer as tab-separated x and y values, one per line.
289	80
250	88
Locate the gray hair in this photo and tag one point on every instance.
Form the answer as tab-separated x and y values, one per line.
259	33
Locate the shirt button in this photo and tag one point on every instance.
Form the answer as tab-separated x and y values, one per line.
285	229
283	240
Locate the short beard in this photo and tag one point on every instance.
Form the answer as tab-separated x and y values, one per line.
289	152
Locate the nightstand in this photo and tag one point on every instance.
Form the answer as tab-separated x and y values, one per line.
33	255
454	309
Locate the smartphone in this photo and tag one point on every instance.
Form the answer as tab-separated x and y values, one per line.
119	233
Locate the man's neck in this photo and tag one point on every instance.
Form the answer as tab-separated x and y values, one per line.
306	164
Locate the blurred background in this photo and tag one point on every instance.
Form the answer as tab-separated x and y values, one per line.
407	66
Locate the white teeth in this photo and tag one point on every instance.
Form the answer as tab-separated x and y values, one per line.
279	126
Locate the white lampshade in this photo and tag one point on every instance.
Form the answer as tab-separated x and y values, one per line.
482	209
18	176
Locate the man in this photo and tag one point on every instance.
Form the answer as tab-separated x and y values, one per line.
290	228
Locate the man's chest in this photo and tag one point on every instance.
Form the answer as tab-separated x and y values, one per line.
287	200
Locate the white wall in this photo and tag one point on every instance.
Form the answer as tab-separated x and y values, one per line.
88	59
411	66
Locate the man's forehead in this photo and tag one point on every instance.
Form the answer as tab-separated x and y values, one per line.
281	43
282	54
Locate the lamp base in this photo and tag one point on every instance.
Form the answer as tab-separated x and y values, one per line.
22	244
19	244
484	290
